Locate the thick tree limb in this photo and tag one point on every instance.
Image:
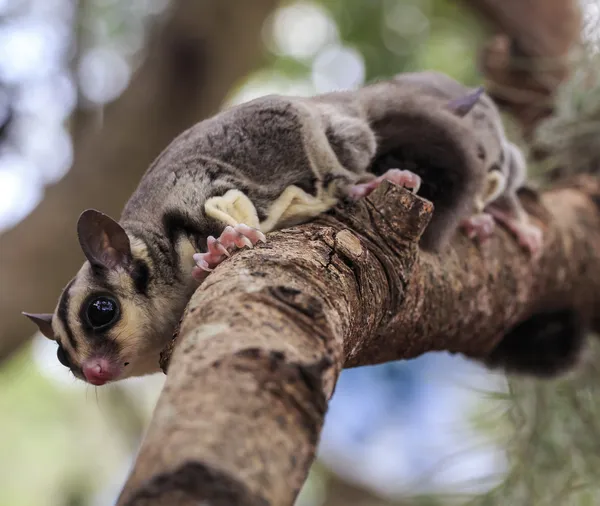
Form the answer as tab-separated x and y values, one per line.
193	60
529	58
265	337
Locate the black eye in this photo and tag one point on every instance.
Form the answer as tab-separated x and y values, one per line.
102	311
62	356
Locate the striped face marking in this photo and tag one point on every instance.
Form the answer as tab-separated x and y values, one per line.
115	317
102	320
102	315
87	314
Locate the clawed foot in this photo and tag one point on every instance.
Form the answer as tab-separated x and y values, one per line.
404	178
529	236
480	226
230	239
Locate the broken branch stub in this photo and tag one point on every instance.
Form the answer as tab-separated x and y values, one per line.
265	337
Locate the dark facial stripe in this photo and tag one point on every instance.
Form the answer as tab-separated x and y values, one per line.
62	314
100	277
176	224
140	274
158	249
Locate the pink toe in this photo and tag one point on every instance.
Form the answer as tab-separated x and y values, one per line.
404	178
400	177
252	234
531	238
199	274
215	248
228	238
480	226
359	191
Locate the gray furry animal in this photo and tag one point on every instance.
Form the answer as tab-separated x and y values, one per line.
266	164
549	342
505	164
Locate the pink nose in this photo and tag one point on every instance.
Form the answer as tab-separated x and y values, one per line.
98	371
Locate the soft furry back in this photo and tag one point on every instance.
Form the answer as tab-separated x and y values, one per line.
422	136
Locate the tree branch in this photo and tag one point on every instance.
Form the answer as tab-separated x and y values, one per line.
187	73
264	338
529	58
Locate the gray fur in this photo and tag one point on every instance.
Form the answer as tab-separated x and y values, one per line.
322	145
497	151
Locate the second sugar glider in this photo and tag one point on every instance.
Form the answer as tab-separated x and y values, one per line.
505	164
263	165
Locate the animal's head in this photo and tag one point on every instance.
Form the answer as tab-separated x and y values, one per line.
107	323
486	123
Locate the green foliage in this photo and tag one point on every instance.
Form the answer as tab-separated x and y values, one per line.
570	136
392	36
554	440
58	444
396	36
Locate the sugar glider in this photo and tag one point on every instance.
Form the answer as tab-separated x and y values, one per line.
505	163
263	165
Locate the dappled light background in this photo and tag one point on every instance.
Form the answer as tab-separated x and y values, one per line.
426	427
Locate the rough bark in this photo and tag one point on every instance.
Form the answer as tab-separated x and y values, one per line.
264	338
192	61
528	59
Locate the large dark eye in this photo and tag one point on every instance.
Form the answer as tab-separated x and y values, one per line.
62	356
102	311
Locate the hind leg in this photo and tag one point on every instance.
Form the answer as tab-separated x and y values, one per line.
509	212
231	238
528	236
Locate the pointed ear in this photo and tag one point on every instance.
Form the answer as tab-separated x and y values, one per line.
103	240
462	105
44	323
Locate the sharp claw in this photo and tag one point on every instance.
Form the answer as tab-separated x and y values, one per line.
204	266
416	188
249	231
246	241
215	245
201	263
222	249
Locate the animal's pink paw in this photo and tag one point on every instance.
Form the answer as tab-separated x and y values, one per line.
231	238
529	236
480	226
404	178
